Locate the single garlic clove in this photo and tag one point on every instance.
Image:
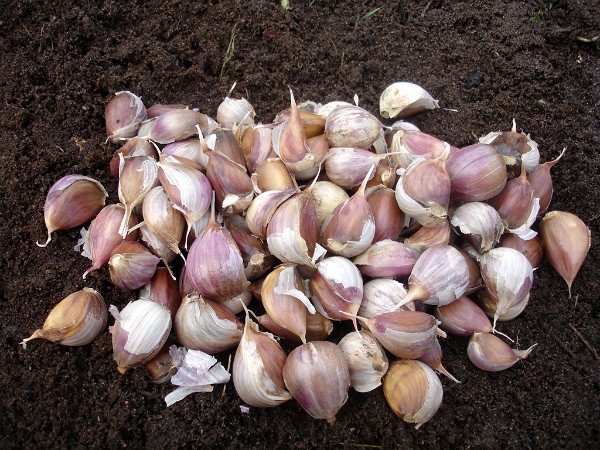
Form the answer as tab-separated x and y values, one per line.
366	360
426	237
386	258
490	353
500	311
413	391
408	145
232	185
319	147
316	375
76	320
163	289
382	295
158	109
540	181
202	324
327	196
224	141
347	166
157	247
123	115
433	358
475	280
389	218
327	108
236	304
480	223
190	149
233	112
131	265
257	146
403	99
261	210
174	125
162	367
139	332
72	201
313	123
273	175
164	221
462	318
318	328
258	368
531	248
133	147
352	126
477	173
567	241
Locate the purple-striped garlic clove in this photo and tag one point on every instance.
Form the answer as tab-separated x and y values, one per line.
131	265
257	146
480	223
123	115
462	318
426	237
174	125
163	289
263	207
231	183
408	145
531	248
133	147
490	353
366	359
433	358
318	328
347	166
164	221
386	258
389	218
233	112
540	181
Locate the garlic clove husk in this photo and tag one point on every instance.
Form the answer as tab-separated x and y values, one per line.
202	324
337	287
382	295
257	146
163	289
477	173
273	175
258	368
139	332
540	181
492	354
131	265
408	145
174	125
413	391
351	126
76	320
531	248
366	359
318	328
233	112
191	149
389	218
462	318
567	241
261	210
133	147
347	166
386	258
164	221
327	196
232	185
480	223
317	376
403	99
426	237
103	235
433	358
123	115
72	201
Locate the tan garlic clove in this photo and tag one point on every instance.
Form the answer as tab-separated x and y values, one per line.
164	221
389	218
316	375
162	367
224	141
433	358
413	391
202	324
531	248
174	125
318	328
131	265
257	146
233	112
426	237
75	320
231	182
352	126
273	175
384	176
72	201
327	196
262	208
258	368
462	317
139	332
480	223
567	241
540	181
386	258
366	360
382	295
408	145
492	354
403	99
313	123
123	115
163	289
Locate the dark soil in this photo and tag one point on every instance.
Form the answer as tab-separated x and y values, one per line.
487	61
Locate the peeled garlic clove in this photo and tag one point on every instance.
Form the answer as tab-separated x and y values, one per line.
163	289
261	210
567	241
413	391
256	146
234	112
316	375
351	126
490	353
273	175
389	218
337	287
386	258
139	332
103	235
72	201
131	265
408	145
403	99
462	317
175	125
433	358
258	368
426	237
202	324
75	320
382	295
366	360
480	223
477	173
531	248
133	147
123	115
517	149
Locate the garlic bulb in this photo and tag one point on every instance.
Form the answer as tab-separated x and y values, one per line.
351	126
403	99
75	320
366	360
490	353
413	391
139	332
316	375
72	201
123	115
480	223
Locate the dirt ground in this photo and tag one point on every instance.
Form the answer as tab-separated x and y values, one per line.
486	61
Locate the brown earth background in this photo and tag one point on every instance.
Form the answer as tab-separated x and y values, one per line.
487	61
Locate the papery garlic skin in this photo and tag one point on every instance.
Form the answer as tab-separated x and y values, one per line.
403	99
382	295
234	112
366	360
481	224
413	391
76	320
490	353
317	376
139	332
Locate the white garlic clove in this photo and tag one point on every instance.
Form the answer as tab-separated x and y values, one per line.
386	258
480	223
139	332
123	115
157	247
174	125
316	375
327	196
75	320
382	295
237	303
351	126
403	99
131	265
490	353
133	147
164	221
191	149
366	360
235	111
347	166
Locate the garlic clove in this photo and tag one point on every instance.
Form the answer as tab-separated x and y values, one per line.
540	181
366	360
191	149
139	332
389	218
163	289
131	265
312	123
232	185
319	147
157	247
433	358
327	196
384	176
490	353
408	145
480	223
236	304
224	141
403	99
161	368
531	248
386	258
202	324
76	320
347	167
382	295
316	375
233	112
318	328
327	108
462	318
426	237
133	147
164	221
261	210
351	126
72	201
273	175
413	391
475	280
257	146
123	115
174	125
158	109
567	241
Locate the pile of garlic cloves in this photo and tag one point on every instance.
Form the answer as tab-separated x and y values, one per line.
240	235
